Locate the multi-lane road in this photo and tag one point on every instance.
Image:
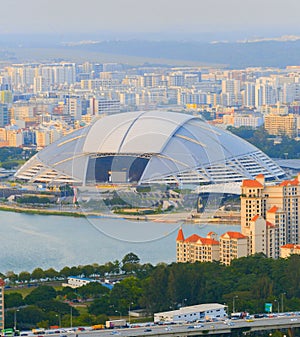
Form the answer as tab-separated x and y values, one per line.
219	327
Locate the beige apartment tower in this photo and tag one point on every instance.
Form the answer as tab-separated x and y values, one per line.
270	214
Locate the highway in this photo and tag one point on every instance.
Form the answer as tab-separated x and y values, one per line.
193	329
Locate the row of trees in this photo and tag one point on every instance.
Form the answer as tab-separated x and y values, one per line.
129	264
250	282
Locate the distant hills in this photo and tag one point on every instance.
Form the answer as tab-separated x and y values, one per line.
261	53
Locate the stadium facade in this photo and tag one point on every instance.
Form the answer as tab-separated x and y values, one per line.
146	148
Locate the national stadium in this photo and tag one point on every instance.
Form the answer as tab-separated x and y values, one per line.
149	147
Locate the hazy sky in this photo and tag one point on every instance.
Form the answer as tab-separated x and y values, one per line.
121	16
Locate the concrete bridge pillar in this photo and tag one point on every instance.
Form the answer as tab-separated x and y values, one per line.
291	332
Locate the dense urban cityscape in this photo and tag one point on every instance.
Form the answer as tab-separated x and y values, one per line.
42	102
149	168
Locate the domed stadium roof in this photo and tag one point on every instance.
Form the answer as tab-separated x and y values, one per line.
149	147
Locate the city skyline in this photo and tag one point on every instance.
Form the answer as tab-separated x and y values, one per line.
133	18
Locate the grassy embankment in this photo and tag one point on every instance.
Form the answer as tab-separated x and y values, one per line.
18	209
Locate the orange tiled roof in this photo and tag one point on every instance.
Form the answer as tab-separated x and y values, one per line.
251	183
269	224
255	217
193	238
289	245
204	241
273	209
208	241
234	235
260	175
294	182
180	236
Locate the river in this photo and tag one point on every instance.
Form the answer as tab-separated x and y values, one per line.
30	241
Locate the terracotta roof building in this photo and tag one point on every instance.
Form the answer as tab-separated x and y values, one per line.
279	207
233	245
196	248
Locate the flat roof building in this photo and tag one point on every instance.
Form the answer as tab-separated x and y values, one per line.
193	313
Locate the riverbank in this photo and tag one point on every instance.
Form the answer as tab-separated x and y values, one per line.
175	217
43	211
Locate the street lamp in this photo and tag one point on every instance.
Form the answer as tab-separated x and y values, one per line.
282	301
118	312
129	312
184	301
277	305
71	317
59	320
233	303
15	319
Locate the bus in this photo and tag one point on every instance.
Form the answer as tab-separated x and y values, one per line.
8	332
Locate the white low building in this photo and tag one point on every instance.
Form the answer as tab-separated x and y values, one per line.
193	313
76	281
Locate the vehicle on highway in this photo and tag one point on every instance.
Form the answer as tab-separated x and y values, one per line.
116	323
258	316
147	330
197	326
239	315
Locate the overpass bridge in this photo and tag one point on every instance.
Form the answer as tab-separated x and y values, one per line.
287	324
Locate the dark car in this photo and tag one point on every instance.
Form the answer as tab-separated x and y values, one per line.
147	330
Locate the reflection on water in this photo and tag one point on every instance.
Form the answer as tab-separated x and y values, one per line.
30	241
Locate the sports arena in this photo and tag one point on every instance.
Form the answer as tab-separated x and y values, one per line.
150	147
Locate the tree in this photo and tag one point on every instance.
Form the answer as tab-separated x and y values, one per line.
11	276
28	317
112	267
38	274
65	272
87	270
130	263
92	290
24	276
100	306
56	306
130	258
40	293
125	292
51	273
13	300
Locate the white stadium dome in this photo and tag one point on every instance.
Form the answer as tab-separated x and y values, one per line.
149	147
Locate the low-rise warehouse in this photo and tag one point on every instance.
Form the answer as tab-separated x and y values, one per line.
193	313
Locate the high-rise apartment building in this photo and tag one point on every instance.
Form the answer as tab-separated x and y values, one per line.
233	245
195	248
4	115
277	207
281	125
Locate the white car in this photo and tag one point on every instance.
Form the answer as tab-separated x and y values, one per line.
197	326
